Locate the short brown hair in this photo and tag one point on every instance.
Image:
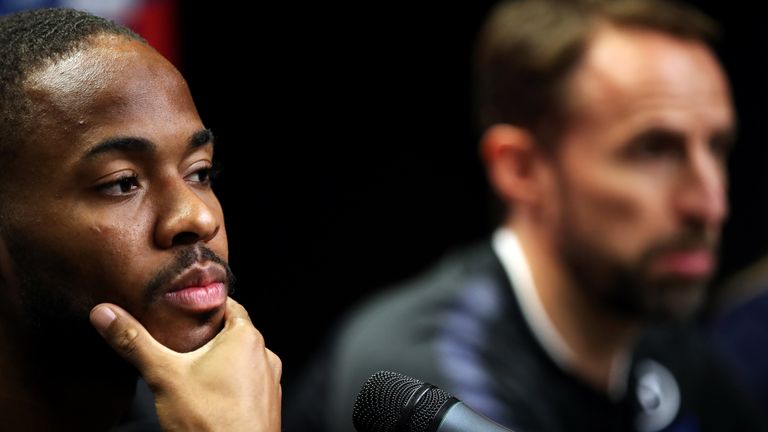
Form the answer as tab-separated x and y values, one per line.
527	49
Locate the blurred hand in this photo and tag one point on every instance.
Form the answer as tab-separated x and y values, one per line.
232	383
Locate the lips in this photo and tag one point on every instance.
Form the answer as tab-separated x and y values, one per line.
199	289
692	264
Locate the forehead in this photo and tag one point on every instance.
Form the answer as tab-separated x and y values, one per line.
649	77
112	85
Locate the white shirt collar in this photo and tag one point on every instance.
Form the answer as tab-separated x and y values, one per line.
513	260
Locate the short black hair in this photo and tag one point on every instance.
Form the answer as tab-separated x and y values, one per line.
30	40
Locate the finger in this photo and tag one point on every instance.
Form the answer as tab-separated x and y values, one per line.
275	363
235	313
129	338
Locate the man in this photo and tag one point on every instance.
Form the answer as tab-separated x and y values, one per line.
106	198
606	127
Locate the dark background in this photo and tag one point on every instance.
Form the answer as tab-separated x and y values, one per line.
349	153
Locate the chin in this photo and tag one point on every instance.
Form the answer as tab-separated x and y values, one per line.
685	303
190	340
185	334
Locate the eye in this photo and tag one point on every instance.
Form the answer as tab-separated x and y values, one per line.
204	176
655	145
123	185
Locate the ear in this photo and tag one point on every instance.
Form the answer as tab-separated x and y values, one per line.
514	164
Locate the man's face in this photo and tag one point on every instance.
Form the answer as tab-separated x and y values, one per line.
640	172
110	199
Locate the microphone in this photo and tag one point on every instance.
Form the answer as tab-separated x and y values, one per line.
391	402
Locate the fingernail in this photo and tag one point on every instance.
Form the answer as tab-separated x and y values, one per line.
102	317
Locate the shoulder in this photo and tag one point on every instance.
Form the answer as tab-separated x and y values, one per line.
402	329
410	314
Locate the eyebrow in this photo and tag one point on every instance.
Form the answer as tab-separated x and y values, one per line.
142	145
200	138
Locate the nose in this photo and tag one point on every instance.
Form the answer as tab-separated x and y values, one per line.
702	199
185	216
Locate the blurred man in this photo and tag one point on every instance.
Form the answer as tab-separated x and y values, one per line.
106	197
607	125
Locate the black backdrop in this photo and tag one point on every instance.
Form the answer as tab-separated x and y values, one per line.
349	153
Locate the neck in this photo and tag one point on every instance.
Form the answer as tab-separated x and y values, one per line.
54	380
597	339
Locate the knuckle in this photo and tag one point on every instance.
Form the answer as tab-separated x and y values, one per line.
242	311
275	363
247	331
274	359
127	341
237	311
256	338
240	322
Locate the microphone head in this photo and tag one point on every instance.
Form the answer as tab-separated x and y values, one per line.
391	402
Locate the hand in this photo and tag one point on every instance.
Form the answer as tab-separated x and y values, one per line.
232	383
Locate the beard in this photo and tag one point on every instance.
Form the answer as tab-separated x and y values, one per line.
630	290
60	347
55	297
59	356
50	297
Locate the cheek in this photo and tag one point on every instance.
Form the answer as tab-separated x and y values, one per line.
89	262
109	261
624	217
117	249
119	236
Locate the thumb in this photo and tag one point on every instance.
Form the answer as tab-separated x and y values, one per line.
129	338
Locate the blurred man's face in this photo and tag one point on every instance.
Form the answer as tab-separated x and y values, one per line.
641	173
110	198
